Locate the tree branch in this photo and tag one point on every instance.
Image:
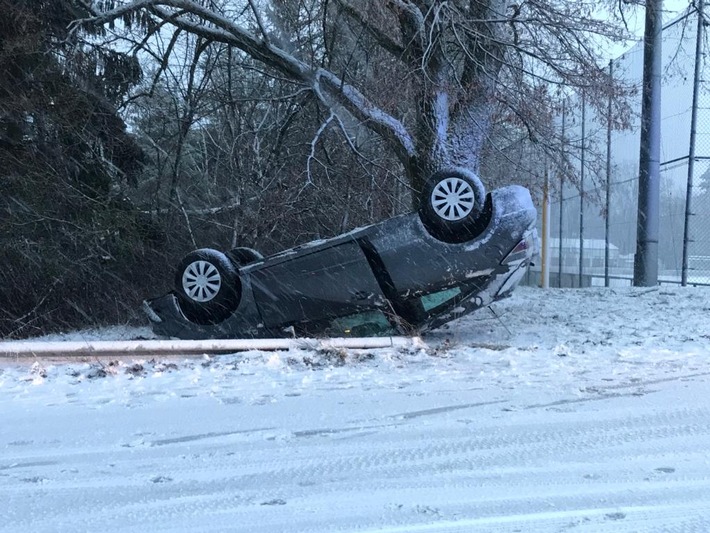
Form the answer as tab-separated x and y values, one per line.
388	127
320	80
257	16
411	22
382	38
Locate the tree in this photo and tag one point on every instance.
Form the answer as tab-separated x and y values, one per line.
460	66
58	99
64	155
259	157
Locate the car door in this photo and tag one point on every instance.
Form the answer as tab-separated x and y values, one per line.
315	284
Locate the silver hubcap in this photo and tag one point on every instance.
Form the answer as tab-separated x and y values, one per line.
452	199
201	281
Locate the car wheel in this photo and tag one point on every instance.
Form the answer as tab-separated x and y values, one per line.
207	285
243	256
452	202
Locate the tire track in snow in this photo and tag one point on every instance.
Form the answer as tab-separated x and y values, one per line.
392	459
594	519
523	444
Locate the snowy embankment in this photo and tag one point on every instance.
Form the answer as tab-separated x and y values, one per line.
571	410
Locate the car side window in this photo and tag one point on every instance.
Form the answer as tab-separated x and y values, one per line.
364	324
436	299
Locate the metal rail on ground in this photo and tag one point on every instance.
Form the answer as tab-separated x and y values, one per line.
138	348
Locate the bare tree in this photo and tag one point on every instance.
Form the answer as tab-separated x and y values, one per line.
459	62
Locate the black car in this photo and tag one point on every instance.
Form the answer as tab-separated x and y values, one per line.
461	251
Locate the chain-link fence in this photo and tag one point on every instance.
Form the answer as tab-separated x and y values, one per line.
593	222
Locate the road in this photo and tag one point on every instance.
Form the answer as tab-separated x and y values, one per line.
389	445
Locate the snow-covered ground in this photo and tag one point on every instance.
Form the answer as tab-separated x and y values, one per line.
584	410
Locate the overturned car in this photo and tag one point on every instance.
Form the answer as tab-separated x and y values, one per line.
461	251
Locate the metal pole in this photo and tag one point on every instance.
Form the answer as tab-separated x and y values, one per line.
16	349
647	224
546	231
581	193
562	198
691	149
608	179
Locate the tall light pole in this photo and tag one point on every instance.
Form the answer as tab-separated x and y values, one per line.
646	259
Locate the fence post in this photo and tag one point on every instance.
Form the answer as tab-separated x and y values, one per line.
608	178
545	274
691	147
581	193
562	199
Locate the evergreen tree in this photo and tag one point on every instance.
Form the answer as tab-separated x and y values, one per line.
64	156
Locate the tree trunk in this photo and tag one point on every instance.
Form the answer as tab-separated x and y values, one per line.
445	144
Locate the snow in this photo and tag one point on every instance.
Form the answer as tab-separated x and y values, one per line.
567	410
441	120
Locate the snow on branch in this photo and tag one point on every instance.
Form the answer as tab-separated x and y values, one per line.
410	16
312	155
373	117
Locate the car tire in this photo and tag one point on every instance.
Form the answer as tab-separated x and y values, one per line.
207	286
451	204
243	256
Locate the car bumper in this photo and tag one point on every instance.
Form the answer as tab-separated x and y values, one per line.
501	283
